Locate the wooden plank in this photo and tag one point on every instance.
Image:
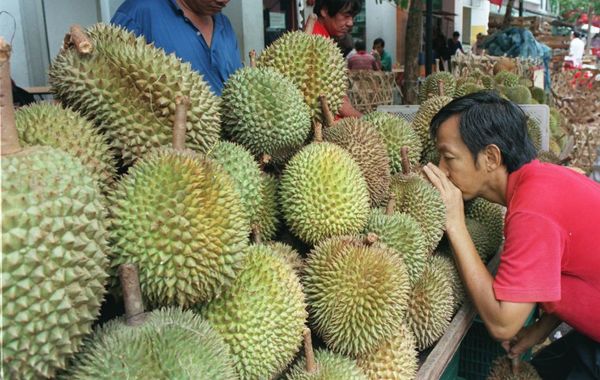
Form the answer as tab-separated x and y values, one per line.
40	90
440	356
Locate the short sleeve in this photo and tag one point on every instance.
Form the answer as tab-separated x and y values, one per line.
530	265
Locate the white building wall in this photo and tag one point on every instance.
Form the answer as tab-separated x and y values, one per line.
480	10
381	22
247	19
12	32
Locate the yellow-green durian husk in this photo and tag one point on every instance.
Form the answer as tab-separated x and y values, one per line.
54	260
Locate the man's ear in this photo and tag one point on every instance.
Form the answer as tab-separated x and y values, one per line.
493	157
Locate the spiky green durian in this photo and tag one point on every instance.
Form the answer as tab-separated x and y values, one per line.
518	94
265	112
554	146
420	125
288	253
445	263
526	82
130	89
396	133
507	79
261	316
61	128
538	94
419	199
313	63
170	344
246	175
441	83
468	88
330	366
54	259
179	218
357	293
481	239
396	359
491	215
368	149
268	210
535	133
401	232
488	82
323	193
549	157
430	306
501	369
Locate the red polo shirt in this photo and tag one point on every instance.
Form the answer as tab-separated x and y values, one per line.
320	29
552	248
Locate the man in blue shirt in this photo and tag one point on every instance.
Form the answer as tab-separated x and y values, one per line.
195	30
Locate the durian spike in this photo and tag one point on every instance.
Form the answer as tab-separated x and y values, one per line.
326	111
79	39
252	55
318	129
179	128
256	236
391	205
441	87
264	160
310	24
311	364
405	161
370	238
132	295
10	137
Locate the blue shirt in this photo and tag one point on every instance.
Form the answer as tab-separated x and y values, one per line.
163	22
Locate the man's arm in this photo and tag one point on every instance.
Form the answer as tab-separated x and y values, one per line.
347	110
532	335
503	319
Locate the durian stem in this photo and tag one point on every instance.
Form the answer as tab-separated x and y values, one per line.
318	129
264	160
132	294
326	111
441	88
256	236
391	205
252	56
371	238
404	160
311	364
515	365
179	128
310	24
10	137
78	38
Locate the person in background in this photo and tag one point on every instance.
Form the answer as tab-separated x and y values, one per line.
550	256
362	60
335	19
195	30
478	45
452	46
439	47
384	57
346	45
576	50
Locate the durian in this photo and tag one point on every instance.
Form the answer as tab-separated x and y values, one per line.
501	369
491	215
518	94
535	133
420	124
507	79
441	83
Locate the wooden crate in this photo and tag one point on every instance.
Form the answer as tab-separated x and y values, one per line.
368	89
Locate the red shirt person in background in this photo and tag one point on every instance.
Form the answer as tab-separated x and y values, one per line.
362	60
335	18
551	254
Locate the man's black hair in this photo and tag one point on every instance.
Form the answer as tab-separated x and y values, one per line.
379	41
456	34
486	118
336	6
360	45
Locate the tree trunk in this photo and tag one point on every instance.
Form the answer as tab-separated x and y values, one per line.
588	44
414	27
508	14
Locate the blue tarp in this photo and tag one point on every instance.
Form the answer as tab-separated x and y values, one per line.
519	42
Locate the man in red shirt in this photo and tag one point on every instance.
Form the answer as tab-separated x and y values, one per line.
551	254
335	19
362	60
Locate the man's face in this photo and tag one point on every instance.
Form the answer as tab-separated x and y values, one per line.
206	7
338	25
456	159
378	48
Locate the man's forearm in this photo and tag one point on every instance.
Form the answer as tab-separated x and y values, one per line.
346	110
502	319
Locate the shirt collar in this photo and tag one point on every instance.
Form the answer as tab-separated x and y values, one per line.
218	24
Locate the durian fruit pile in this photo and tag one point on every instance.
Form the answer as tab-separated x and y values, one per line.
242	238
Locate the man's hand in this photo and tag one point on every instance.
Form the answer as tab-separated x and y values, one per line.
526	338
451	195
